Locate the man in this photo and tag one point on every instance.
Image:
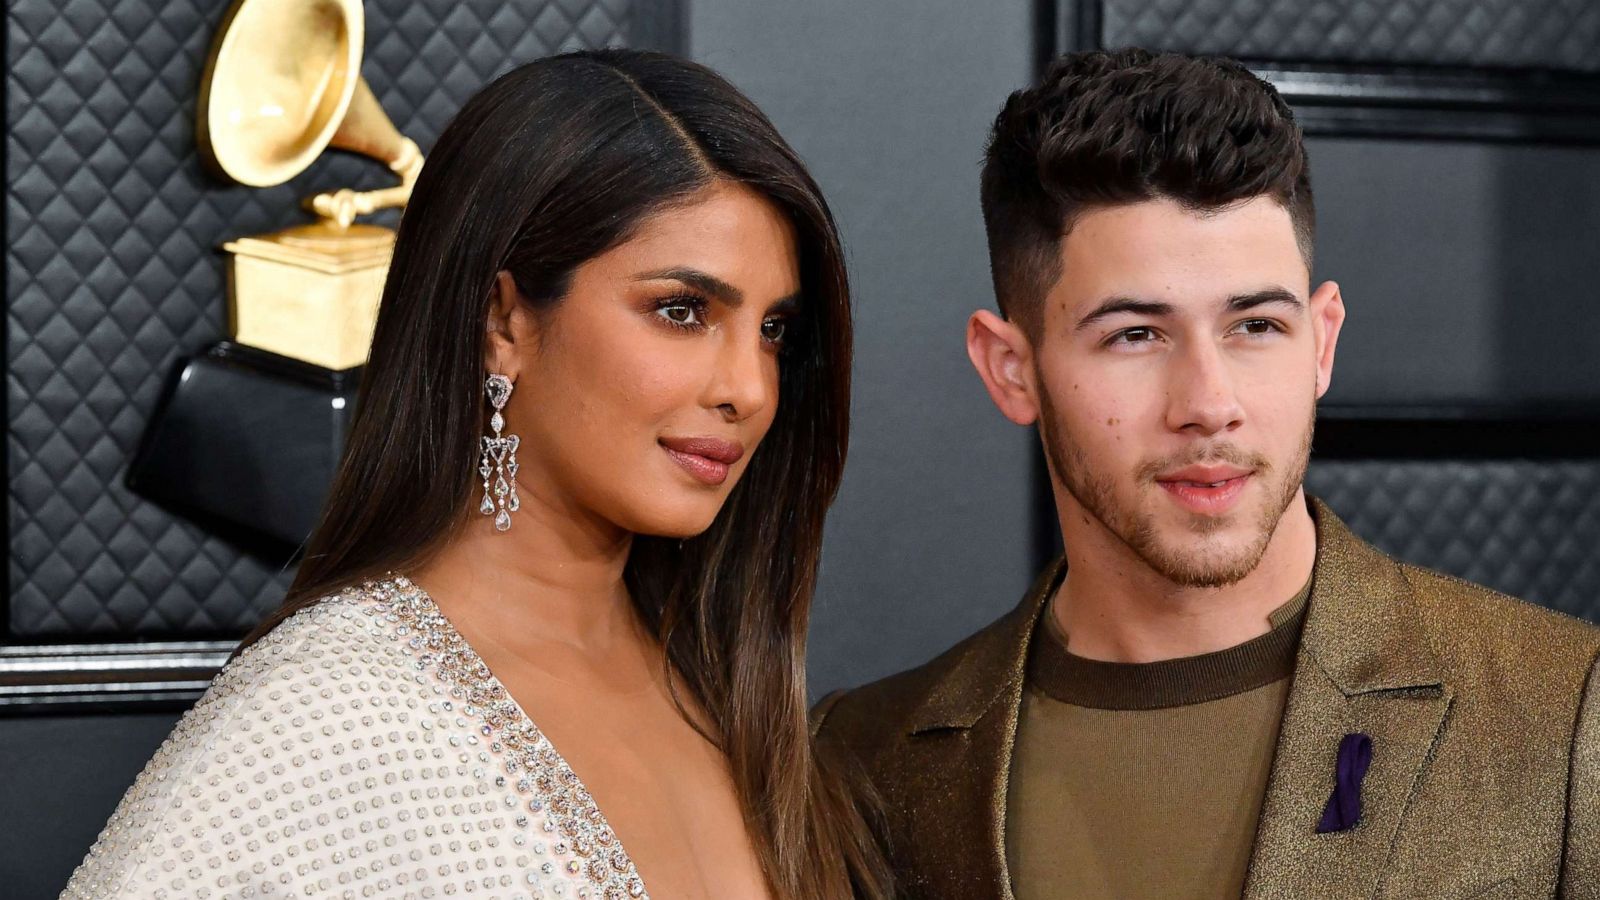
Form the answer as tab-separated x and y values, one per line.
1220	689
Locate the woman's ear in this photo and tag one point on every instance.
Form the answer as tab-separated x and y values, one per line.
506	328
1003	357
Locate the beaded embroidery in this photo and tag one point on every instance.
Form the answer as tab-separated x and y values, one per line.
323	763
528	756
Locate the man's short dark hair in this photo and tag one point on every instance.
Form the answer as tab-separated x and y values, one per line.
1108	128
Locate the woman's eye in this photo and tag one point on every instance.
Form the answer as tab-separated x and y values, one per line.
772	330
680	313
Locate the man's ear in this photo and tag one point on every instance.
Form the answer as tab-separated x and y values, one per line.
507	327
1327	318
1003	356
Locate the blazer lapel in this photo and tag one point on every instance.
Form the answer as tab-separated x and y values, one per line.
1364	666
960	742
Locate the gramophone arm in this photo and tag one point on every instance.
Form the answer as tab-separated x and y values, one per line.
342	206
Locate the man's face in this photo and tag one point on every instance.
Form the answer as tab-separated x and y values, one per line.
1177	370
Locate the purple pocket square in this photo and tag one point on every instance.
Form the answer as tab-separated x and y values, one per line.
1344	804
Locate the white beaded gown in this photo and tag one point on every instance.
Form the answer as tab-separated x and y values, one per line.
360	749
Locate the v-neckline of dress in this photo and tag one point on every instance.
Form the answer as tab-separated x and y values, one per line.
542	774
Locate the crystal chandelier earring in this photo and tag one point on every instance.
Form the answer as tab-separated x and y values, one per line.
499	459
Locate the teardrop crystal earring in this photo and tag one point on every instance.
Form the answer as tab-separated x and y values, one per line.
499	459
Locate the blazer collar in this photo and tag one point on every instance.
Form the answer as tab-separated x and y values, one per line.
1365	666
962	734
1363	626
988	666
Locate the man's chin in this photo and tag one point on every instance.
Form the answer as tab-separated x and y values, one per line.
1192	572
1204	551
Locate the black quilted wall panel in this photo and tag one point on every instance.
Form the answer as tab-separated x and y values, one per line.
112	273
1562	35
1530	528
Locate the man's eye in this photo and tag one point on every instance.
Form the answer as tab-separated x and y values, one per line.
1133	336
1258	326
772	330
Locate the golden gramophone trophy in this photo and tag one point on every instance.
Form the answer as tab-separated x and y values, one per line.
254	426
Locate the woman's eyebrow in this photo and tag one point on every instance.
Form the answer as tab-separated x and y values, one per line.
710	284
704	282
785	306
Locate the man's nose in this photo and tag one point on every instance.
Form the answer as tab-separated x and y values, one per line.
1203	393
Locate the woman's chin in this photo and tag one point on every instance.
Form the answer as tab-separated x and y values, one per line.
677	524
671	533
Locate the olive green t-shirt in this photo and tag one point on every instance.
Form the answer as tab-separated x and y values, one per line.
1133	780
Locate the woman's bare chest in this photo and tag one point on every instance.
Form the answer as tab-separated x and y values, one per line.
664	788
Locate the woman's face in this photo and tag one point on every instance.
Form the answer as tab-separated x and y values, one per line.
640	396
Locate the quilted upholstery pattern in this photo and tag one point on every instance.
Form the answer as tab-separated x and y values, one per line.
1528	528
1507	34
112	275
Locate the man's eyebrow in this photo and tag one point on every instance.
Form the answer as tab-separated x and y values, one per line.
1113	305
1240	302
1156	308
704	282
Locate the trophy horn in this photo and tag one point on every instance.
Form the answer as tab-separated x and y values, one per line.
282	84
252	428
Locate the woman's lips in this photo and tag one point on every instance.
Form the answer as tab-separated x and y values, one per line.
708	460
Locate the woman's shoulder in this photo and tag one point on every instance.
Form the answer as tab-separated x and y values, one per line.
328	758
301	660
330	682
350	618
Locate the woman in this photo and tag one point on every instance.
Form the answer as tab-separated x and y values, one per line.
548	638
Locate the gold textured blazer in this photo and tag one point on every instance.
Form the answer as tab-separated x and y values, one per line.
1483	710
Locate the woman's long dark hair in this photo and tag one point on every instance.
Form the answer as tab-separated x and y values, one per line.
547	167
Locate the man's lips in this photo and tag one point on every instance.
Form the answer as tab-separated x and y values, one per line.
708	459
1203	474
1207	490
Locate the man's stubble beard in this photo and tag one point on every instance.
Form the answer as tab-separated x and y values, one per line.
1186	564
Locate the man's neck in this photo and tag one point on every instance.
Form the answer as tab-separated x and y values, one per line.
1114	607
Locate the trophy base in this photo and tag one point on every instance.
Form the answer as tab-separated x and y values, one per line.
249	439
309	292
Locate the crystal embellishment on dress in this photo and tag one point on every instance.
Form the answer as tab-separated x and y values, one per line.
324	762
499	460
531	762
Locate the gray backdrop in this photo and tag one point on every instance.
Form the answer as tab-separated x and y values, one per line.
932	534
1468	269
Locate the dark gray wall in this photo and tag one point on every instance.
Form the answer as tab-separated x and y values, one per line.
62	776
1469	270
889	103
112	276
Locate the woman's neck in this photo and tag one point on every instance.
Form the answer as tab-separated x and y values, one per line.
549	578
